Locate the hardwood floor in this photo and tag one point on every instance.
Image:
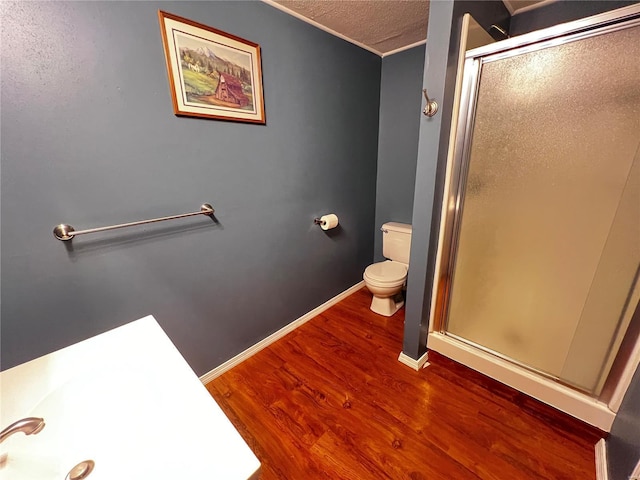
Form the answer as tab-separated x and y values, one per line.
330	400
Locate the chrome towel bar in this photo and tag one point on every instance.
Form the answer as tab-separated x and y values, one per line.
66	232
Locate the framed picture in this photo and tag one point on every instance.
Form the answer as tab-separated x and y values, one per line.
212	74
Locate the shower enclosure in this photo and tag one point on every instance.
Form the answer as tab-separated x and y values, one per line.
539	256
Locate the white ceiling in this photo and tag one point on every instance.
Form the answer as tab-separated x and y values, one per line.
380	26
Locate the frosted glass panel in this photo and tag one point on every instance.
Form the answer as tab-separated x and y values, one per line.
555	135
613	295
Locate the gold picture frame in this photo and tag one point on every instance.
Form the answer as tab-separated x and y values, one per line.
212	74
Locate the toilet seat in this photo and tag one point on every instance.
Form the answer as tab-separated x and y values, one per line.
387	273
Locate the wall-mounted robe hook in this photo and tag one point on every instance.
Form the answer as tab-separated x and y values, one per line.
431	108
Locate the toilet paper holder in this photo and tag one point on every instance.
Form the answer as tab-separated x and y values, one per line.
327	222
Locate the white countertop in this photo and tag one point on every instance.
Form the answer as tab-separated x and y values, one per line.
129	401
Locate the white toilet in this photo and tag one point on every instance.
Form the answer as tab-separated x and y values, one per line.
386	279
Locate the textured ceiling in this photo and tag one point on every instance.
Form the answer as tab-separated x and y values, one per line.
381	26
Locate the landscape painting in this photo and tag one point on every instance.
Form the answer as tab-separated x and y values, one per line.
211	73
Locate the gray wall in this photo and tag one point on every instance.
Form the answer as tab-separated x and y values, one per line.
400	97
89	138
623	444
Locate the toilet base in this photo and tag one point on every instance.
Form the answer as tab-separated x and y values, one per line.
387	306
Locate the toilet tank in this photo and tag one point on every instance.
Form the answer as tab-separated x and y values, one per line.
396	241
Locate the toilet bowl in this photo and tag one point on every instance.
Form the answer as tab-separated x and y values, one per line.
385	281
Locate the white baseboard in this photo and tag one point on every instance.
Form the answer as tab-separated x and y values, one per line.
415	364
249	352
602	471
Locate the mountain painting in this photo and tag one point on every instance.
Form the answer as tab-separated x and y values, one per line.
214	74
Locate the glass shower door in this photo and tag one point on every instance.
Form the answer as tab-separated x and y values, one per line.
548	240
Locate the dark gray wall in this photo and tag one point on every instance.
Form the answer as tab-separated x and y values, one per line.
400	97
561	11
623	444
441	58
89	138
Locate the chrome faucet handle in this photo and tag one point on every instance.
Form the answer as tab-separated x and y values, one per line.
28	426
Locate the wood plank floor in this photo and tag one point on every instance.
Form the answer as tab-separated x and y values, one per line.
330	400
